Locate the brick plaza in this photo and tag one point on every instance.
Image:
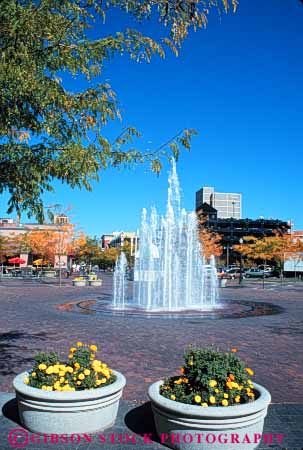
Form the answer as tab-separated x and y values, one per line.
146	350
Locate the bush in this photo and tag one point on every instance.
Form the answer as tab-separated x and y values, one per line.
81	371
210	378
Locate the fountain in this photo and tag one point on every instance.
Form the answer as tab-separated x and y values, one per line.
170	272
120	282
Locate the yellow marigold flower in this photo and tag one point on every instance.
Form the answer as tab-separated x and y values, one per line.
249	371
235	385
212	383
79	344
237	399
69	369
173	397
240	387
185	380
70	356
229	384
248	389
93	348
224	402
73	349
56	368
78	383
61	379
26	380
61	373
250	394
42	366
217	391
103	380
96	362
49	388
77	365
225	395
86	372
212	399
103	365
81	376
44	388
198	399
34	374
49	370
205	405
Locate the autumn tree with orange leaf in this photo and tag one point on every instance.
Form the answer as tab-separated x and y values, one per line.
211	242
269	249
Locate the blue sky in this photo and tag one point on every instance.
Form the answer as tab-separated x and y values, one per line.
239	84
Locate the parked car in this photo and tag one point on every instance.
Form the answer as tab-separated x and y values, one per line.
231	274
266	268
257	273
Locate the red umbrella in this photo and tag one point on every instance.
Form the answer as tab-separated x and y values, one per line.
16	261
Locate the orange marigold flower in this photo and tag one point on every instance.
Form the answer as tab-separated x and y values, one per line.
231	377
182	370
234	350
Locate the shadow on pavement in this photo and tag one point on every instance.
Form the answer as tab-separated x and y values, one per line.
12	355
10	411
140	420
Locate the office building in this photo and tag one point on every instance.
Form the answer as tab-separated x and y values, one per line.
227	204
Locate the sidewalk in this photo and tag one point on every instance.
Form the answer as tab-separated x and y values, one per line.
134	420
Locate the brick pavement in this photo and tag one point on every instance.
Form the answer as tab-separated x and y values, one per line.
146	350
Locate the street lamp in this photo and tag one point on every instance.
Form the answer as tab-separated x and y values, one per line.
241	277
227	248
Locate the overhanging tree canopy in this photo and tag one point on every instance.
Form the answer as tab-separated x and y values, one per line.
48	132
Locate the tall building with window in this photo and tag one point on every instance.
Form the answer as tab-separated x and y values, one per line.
227	204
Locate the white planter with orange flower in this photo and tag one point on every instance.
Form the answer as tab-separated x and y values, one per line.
208	406
81	396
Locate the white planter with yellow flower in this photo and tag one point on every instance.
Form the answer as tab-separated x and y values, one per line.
213	404
80	396
93	280
79	282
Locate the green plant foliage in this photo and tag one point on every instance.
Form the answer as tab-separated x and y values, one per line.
81	371
210	378
48	132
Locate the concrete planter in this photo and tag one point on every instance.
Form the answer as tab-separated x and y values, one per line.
48	412
95	282
180	424
222	282
79	283
49	274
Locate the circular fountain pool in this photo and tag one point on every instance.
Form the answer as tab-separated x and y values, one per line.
227	309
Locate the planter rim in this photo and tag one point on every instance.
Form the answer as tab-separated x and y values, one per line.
89	394
212	412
